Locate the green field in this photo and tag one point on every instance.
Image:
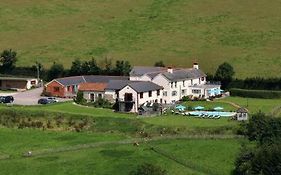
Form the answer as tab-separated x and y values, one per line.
181	145
52	155
255	104
245	33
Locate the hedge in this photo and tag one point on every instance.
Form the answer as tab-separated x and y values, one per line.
255	93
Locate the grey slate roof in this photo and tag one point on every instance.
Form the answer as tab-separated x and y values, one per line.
141	70
181	74
178	74
117	84
67	81
138	86
75	80
102	78
144	86
242	110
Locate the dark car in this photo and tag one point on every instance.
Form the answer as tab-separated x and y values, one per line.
43	101
6	99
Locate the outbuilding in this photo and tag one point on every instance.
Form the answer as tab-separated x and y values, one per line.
242	114
16	83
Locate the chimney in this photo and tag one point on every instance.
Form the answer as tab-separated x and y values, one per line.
195	65
170	70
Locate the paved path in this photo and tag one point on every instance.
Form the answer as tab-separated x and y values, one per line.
29	97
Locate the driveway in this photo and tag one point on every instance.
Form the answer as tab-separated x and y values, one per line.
29	97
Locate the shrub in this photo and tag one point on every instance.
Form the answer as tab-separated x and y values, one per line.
255	93
80	98
148	169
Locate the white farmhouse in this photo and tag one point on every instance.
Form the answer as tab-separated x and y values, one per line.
177	82
130	95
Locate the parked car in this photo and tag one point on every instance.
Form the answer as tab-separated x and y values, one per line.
45	101
54	99
6	99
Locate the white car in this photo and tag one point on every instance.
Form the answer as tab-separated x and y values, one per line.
54	99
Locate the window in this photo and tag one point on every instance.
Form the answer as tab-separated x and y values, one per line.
183	83
56	89
68	88
183	92
174	93
99	95
203	78
165	93
196	91
172	84
175	84
141	95
158	92
150	93
191	82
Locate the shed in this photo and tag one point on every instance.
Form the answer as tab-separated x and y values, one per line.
242	114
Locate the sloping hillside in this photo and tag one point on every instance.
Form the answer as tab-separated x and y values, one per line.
243	32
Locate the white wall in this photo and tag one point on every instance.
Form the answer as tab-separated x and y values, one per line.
136	97
128	89
29	85
182	88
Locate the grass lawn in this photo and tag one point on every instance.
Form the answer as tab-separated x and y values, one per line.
189	122
255	104
112	159
178	32
210	105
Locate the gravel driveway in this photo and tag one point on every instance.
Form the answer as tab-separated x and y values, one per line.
29	97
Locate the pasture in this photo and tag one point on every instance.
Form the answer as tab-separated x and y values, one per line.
67	153
181	145
179	32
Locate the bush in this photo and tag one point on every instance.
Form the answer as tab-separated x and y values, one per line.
185	98
255	93
80	98
148	169
102	103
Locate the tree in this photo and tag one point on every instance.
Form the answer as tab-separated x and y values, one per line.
107	66
8	60
122	68
56	71
148	169
224	73
159	64
265	157
76	67
80	98
90	67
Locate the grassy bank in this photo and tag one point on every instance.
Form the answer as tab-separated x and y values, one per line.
177	32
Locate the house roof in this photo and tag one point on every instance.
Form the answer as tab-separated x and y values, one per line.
92	86
75	80
242	110
117	84
138	86
182	74
178	73
17	78
102	78
67	81
141	70
144	86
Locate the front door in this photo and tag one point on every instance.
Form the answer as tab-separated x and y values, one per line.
128	97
